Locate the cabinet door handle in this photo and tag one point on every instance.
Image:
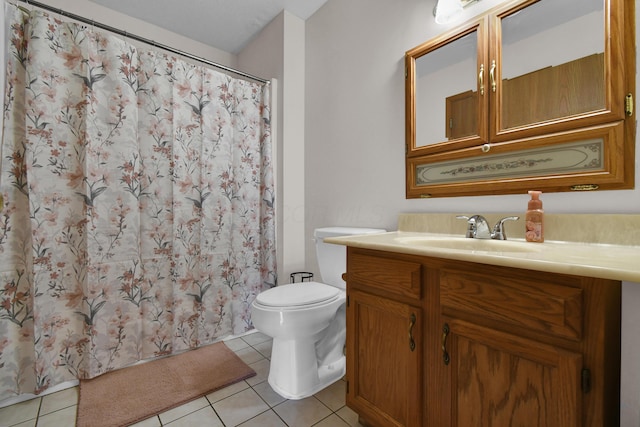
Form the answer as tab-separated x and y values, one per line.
445	333
481	79
628	104
412	322
492	75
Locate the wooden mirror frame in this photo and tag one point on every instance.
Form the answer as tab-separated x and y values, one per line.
612	130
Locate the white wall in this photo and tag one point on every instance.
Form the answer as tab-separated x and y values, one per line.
279	51
355	141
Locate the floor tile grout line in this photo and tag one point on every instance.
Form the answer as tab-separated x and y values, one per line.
261	413
341	418
270	408
332	413
39	409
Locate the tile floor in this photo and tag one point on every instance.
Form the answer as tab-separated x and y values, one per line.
250	403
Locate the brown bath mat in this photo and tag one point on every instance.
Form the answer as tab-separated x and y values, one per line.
129	395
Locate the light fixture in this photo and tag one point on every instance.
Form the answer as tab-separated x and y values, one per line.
447	11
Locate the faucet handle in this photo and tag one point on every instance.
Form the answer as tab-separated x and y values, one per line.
471	227
498	229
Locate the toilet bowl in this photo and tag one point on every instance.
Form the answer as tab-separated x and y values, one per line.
307	322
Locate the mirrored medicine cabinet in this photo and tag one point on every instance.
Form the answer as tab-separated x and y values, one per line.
534	94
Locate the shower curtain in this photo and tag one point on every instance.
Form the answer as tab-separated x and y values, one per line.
138	214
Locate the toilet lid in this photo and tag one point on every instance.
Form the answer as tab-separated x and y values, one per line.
297	294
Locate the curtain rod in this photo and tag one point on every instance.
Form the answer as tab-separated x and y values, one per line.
142	39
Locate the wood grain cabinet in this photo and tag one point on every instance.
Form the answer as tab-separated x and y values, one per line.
434	342
531	94
384	347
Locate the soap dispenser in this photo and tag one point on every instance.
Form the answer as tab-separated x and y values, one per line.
534	218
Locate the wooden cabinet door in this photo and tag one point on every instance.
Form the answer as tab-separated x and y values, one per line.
384	355
511	100
501	380
580	82
462	115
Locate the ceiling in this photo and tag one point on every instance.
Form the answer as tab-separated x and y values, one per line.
224	24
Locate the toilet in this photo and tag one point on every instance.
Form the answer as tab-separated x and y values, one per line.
307	322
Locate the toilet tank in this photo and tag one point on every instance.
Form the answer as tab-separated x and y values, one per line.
332	259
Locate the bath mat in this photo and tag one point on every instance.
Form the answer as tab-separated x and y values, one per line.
126	396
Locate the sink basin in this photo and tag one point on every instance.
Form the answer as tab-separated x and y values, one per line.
466	244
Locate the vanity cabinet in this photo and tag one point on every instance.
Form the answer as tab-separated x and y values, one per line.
492	108
500	379
494	346
384	349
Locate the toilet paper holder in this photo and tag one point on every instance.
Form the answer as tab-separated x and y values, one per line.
301	276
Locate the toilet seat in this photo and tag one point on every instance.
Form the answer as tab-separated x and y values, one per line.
295	295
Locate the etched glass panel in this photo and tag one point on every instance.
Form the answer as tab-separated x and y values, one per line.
583	156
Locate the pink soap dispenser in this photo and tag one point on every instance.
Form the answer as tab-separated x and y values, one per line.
535	218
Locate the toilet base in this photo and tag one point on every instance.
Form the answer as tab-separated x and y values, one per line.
294	372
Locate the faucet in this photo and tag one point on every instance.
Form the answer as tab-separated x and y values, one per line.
478	227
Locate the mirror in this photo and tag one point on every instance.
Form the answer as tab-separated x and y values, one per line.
438	104
551	67
552	63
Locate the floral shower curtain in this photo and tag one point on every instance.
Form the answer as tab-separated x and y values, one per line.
138	217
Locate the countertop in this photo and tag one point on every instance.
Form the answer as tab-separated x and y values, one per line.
616	261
